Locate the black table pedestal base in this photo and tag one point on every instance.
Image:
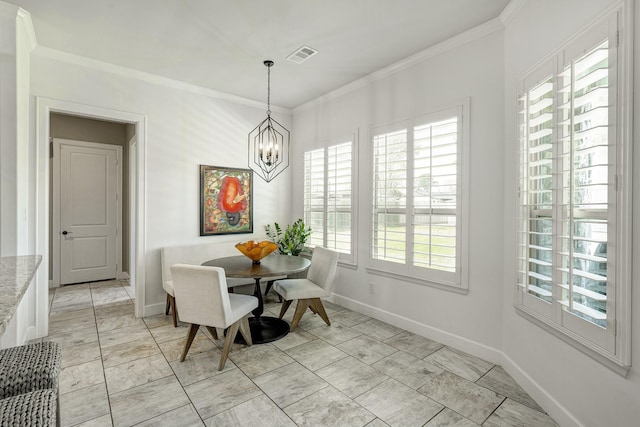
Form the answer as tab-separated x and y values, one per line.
265	329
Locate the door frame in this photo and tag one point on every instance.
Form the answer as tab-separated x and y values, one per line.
55	235
44	108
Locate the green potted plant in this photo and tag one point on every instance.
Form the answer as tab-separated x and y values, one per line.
290	241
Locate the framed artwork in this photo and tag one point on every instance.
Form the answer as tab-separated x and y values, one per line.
225	200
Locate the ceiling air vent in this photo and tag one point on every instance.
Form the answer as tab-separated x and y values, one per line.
302	54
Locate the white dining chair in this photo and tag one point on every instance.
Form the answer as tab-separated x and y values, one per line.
308	291
201	292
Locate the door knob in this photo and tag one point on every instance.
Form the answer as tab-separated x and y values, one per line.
65	232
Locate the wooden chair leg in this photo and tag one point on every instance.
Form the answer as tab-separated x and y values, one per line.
245	330
228	342
316	303
301	307
174	310
213	332
285	307
166	310
193	330
269	285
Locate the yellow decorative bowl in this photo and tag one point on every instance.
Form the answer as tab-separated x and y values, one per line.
256	250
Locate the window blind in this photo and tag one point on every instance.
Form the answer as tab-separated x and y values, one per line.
416	198
314	195
536	186
435	194
328	197
389	196
339	197
568	200
583	196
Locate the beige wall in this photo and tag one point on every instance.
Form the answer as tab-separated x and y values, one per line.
84	129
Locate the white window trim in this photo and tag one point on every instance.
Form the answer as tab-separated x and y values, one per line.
344	260
407	272
620	361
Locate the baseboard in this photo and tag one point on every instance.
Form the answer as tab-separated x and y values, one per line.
472	347
558	412
153	309
30	334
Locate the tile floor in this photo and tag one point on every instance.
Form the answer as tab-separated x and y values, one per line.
122	371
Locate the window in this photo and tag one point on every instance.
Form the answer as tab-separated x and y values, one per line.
417	213
571	257
328	198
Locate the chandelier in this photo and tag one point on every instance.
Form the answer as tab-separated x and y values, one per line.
269	142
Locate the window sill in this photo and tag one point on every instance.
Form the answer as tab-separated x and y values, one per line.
576	341
446	286
348	264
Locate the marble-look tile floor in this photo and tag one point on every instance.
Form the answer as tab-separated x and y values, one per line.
122	371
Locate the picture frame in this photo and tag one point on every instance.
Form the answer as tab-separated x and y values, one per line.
226	200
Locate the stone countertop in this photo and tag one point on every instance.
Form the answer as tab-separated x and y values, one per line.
16	273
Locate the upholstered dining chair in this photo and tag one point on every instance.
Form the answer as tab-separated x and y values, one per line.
308	292
167	285
201	292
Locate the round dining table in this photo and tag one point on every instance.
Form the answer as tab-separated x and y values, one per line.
264	329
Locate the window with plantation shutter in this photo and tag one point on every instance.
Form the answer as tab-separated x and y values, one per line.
328	198
339	197
390	196
417	211
572	195
314	195
435	189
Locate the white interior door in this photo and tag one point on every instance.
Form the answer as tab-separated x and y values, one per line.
89	187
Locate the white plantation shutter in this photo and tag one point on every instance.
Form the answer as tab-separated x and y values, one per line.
314	195
328	198
416	211
585	137
535	251
435	185
339	197
389	196
568	222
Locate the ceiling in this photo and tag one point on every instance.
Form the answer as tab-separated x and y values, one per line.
221	44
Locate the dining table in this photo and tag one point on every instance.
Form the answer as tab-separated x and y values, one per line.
264	329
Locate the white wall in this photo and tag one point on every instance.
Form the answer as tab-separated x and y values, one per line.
17	201
8	129
570	385
574	388
185	128
472	70
15	236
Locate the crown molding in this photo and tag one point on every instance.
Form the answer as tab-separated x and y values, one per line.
27	25
8	9
440	48
511	10
82	61
20	15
